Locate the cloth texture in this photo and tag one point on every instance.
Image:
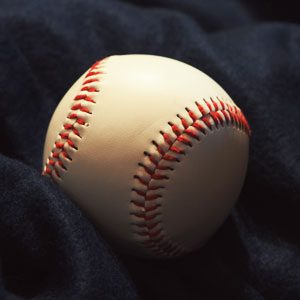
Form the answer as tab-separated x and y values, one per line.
48	248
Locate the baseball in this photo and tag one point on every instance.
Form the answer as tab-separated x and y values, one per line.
153	150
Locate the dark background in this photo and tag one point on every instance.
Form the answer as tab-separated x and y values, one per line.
48	249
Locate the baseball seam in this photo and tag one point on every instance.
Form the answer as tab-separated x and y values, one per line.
155	168
68	138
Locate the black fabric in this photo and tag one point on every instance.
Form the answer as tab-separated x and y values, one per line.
48	249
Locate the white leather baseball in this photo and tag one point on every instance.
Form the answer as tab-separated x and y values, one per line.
152	149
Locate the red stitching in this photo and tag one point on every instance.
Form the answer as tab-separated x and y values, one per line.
216	113
86	96
90	81
89	89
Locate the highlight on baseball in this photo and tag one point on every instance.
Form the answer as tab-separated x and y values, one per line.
153	151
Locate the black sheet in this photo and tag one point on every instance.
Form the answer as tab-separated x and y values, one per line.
48	249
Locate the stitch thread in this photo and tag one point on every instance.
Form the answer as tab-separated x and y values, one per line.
75	121
150	177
